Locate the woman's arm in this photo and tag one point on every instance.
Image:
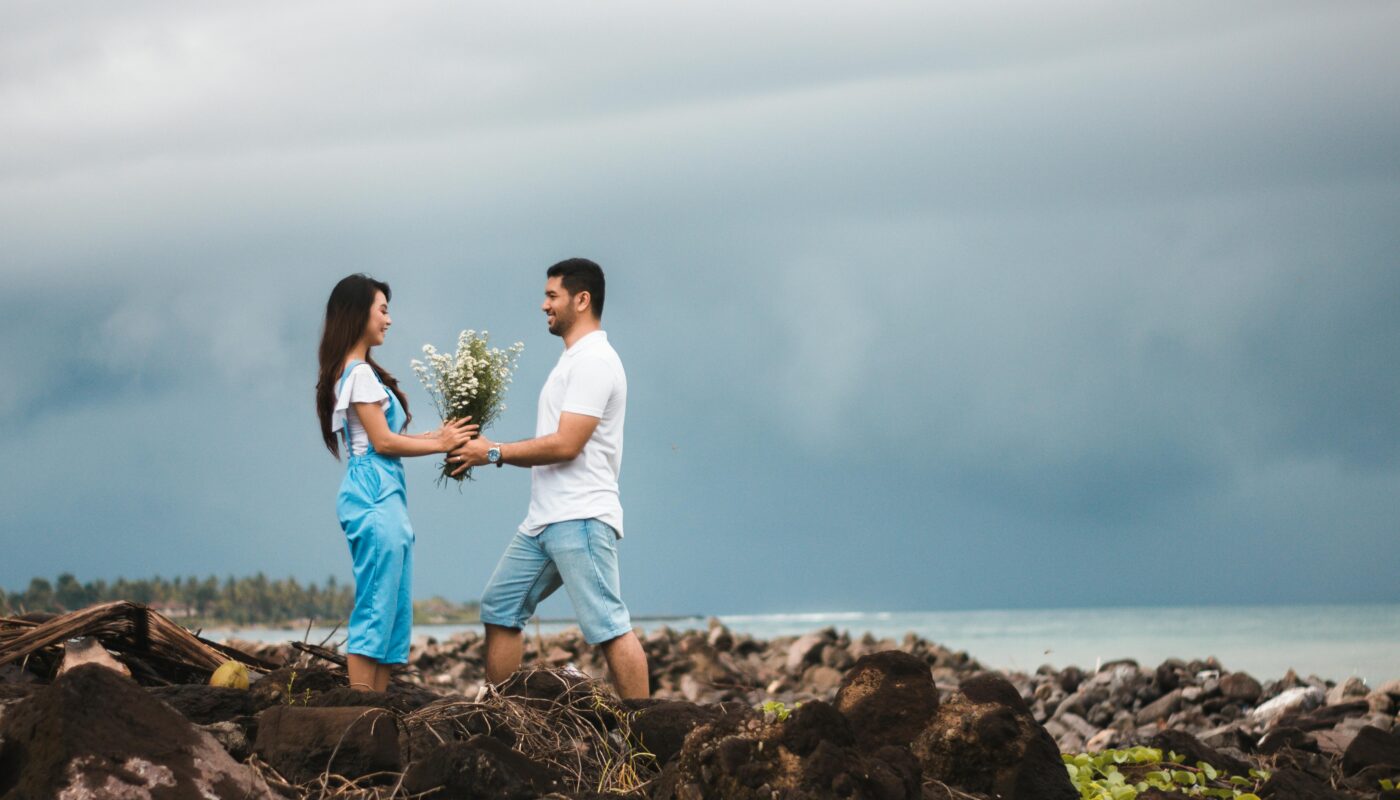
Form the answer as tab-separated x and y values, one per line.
388	443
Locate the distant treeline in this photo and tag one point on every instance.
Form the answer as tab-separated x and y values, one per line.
240	601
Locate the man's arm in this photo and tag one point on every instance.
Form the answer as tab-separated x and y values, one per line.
563	445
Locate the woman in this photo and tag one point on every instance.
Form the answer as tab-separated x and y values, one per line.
358	400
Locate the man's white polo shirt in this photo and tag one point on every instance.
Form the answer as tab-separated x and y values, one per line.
589	380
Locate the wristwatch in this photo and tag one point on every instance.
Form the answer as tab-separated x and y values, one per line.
493	456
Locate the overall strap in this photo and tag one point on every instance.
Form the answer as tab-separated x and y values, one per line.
345	429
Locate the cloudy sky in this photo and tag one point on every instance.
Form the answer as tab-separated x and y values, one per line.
923	305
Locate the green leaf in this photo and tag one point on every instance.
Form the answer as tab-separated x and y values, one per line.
1159	778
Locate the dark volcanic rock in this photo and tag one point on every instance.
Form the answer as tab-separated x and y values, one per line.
400	699
990	688
1239	686
888	698
345	697
1319	718
1070	678
1292	784
1286	738
814	723
300	742
1161	708
95	733
660	728
294	685
1371	747
984	739
205	705
478	767
739	757
1366	781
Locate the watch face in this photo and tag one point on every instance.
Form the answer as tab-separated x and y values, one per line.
493	455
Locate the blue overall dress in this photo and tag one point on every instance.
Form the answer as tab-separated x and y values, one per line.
373	511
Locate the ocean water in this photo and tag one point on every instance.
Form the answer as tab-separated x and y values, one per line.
1334	642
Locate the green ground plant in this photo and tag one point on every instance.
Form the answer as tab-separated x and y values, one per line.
779	710
1124	774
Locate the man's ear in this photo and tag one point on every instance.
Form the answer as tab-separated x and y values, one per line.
583	300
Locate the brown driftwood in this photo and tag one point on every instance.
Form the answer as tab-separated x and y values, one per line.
128	629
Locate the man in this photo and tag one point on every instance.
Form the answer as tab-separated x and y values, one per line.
569	536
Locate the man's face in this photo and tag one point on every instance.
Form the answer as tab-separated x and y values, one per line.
558	307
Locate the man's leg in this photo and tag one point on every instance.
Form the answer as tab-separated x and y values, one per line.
627	662
585	553
504	649
523	577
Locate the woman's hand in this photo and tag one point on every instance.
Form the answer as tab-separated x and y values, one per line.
454	434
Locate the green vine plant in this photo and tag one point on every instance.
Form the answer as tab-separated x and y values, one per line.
778	709
290	694
1124	774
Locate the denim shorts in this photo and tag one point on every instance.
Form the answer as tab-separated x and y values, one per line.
581	556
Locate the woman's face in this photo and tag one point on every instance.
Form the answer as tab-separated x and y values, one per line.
379	321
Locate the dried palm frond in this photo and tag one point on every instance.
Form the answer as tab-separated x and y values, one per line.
128	629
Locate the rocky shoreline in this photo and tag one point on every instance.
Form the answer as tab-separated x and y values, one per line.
822	715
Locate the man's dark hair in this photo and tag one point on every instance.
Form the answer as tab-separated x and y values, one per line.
581	275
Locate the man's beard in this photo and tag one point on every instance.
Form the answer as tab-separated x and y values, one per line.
560	327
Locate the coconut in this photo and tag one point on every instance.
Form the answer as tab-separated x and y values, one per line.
231	674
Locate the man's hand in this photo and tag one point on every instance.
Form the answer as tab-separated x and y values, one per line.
470	454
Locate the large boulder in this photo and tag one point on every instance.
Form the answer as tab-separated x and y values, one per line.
1240	687
809	756
400	698
1371	747
805	650
205	705
984	739
660	728
96	733
302	743
888	698
290	685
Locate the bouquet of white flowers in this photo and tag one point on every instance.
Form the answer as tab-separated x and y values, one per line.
469	383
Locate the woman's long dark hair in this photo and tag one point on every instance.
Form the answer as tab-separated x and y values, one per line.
347	315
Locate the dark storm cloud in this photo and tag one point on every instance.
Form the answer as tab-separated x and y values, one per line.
981	286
